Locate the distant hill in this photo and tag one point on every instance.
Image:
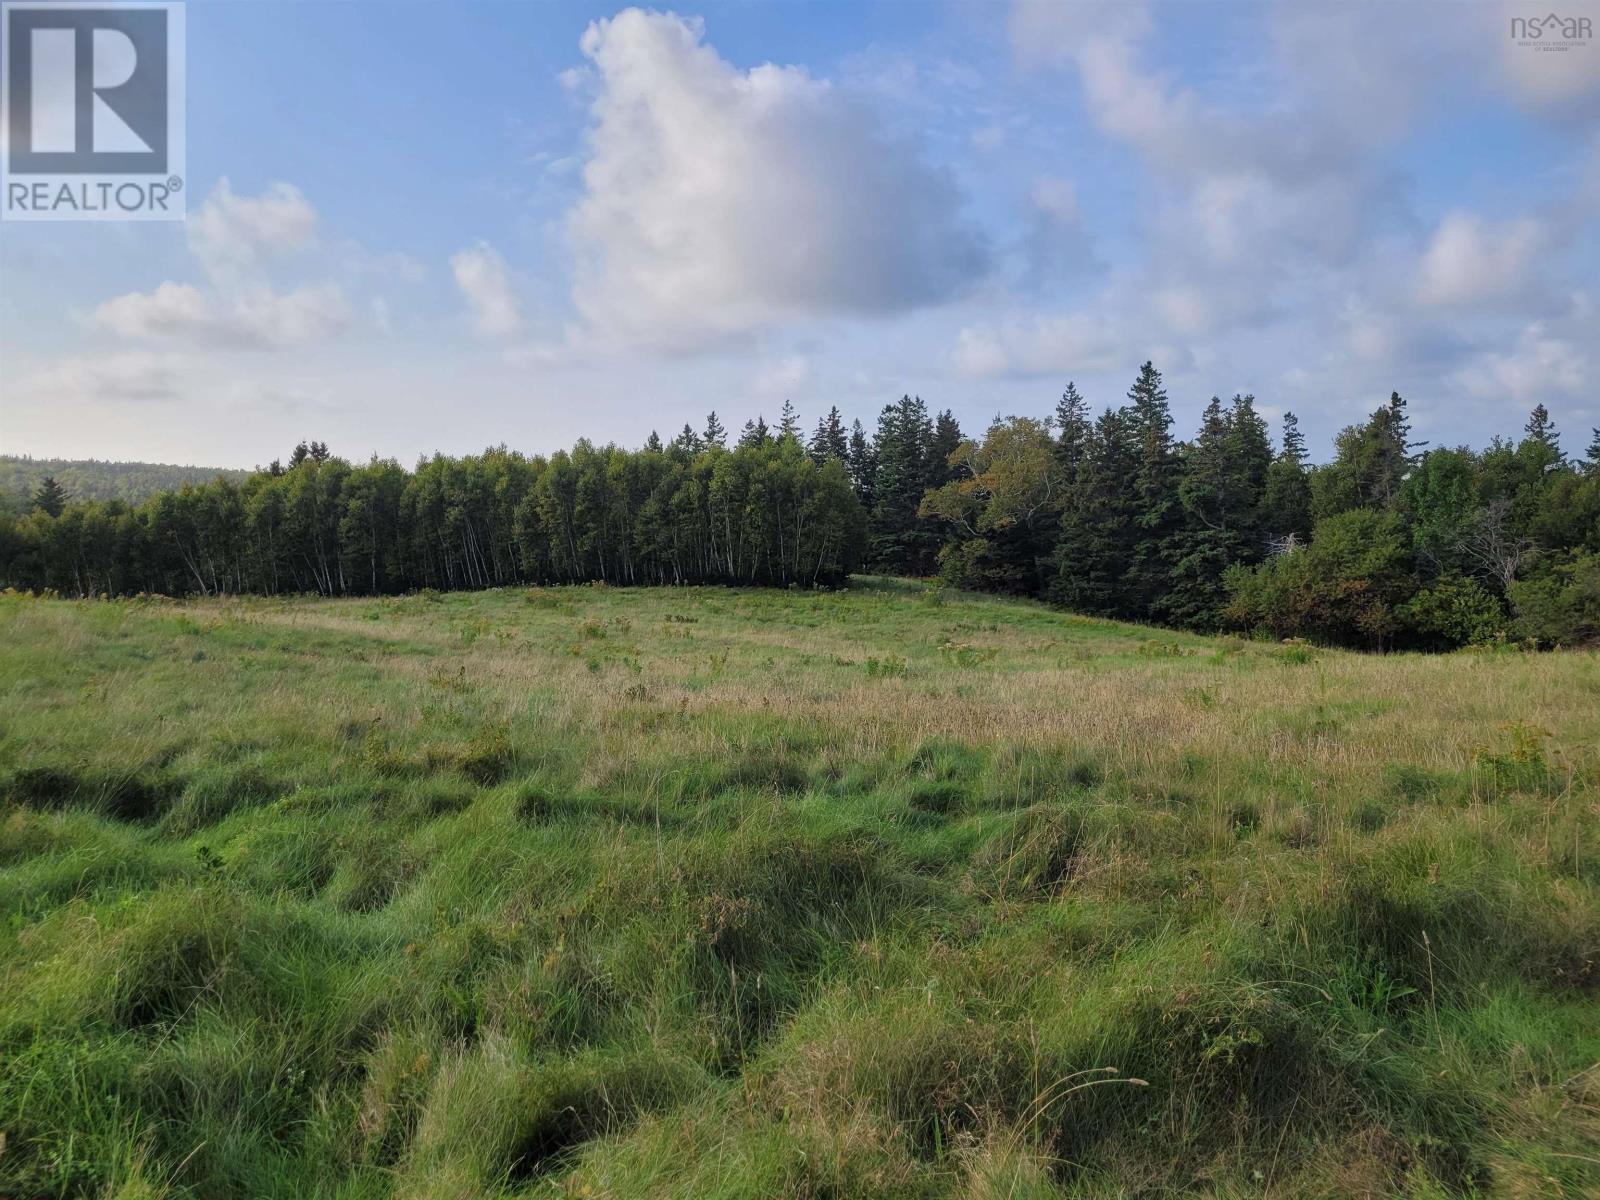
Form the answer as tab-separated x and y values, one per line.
91	479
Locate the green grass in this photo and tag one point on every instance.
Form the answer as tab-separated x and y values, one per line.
713	893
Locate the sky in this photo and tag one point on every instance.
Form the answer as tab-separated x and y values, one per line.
426	226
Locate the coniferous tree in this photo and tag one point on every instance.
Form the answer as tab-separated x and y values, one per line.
1541	444
862	460
1072	432
755	433
946	437
715	434
688	441
789	422
1158	517
1224	476
901	541
51	498
653	442
1098	520
1286	504
830	439
1370	461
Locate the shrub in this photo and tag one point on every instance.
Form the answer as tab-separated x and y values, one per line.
1562	606
1456	611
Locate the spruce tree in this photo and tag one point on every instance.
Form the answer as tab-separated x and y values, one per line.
1098	520
1370	462
1072	432
688	441
653	442
51	497
946	437
1541	444
862	460
1157	510
715	435
1224	476
789	422
1286	503
901	542
755	433
830	440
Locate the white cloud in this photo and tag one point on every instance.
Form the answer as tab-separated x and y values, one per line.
1470	262
718	200
1049	345
1542	366
237	234
136	376
480	273
233	237
254	318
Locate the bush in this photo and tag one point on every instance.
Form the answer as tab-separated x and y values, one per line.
1456	611
1562	606
1346	587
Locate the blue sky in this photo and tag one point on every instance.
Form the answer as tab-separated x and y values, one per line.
430	226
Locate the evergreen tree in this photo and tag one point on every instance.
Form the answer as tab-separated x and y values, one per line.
715	434
1370	462
1224	477
902	543
1250	450
1286	503
688	441
1541	444
862	460
830	440
789	422
1072	432
1098	527
1592	455
653	442
51	498
755	433
946	437
1157	510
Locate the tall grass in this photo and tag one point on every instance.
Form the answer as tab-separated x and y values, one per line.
673	893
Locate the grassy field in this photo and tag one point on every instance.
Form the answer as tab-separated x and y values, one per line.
710	893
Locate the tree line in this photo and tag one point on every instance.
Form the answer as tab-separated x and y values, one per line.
1388	544
695	511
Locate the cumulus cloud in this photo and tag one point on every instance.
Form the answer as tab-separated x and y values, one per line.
1470	261
233	237
480	273
255	318
1542	365
232	233
717	200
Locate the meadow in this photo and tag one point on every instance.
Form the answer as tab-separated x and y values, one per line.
714	893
